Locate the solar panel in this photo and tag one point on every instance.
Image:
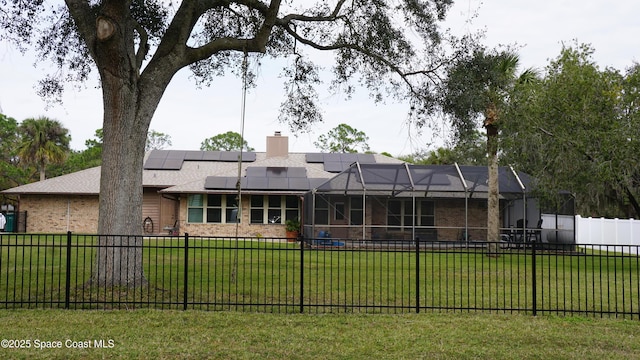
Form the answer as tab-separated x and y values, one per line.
331	157
314	158
257	183
211	156
154	164
248	157
299	184
349	158
214	182
256	171
229	156
161	154
334	166
277	172
233	156
176	154
296	172
278	183
172	164
194	155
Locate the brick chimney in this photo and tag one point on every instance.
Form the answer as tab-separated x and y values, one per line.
277	145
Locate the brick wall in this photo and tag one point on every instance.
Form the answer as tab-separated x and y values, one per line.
450	219
244	228
56	214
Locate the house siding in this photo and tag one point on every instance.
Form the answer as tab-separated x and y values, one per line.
161	209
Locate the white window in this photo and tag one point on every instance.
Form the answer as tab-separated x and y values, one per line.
212	208
274	209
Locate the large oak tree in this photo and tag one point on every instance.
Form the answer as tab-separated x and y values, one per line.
137	46
578	130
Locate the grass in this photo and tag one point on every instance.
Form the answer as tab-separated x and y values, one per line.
265	276
151	334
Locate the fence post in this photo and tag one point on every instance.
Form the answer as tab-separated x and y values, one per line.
301	275
417	274
534	283
186	270
67	287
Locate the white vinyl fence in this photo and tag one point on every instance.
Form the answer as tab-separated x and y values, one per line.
601	231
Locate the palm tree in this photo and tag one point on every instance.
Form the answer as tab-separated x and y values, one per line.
43	141
478	88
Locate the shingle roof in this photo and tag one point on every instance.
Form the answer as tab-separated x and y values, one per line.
84	182
187	177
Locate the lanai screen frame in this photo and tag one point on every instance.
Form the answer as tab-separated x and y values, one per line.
415	182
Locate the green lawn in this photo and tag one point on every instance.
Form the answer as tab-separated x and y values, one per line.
151	334
266	276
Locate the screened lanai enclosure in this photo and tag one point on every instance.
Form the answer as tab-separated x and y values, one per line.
398	203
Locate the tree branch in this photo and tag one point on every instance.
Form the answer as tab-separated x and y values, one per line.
143	49
255	44
271	16
379	58
85	20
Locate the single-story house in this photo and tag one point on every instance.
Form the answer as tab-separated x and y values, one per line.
358	196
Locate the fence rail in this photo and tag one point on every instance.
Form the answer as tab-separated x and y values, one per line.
273	275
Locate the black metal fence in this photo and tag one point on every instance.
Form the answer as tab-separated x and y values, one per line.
272	275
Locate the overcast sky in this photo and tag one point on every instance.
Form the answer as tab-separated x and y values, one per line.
189	115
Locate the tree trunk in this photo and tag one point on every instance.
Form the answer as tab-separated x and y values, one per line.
493	201
119	257
632	199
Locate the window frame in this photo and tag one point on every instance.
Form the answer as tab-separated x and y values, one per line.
420	219
271	212
224	208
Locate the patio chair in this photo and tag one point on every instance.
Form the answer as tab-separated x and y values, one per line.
537	232
521	231
172	230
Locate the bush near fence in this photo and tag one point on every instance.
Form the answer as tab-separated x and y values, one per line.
273	275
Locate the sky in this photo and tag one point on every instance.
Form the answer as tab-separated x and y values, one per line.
190	115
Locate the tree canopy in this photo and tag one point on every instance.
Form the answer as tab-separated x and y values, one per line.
157	140
137	46
78	160
12	174
343	139
43	141
228	141
578	130
470	150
